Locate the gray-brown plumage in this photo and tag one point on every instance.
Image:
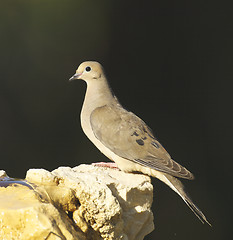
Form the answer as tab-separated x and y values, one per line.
125	138
129	137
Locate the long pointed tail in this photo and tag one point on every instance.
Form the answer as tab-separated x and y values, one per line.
178	187
196	210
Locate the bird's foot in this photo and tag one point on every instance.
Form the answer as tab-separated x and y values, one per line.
105	164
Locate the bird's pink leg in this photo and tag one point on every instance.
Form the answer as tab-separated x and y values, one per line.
106	164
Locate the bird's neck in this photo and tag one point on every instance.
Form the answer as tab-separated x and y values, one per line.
98	94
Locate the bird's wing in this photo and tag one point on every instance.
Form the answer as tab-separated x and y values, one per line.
129	137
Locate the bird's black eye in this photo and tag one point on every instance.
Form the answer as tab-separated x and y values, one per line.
88	69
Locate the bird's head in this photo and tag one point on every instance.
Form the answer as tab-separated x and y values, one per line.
88	71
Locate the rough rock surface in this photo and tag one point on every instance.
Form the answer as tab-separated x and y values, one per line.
27	213
84	202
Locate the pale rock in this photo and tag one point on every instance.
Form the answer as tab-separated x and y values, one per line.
2	174
101	203
116	205
27	214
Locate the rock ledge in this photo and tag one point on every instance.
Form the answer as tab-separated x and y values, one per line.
84	202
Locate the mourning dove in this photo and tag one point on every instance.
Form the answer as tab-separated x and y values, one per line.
123	137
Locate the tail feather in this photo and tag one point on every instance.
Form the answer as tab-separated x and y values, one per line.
196	210
178	187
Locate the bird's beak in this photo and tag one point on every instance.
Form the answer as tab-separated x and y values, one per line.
75	76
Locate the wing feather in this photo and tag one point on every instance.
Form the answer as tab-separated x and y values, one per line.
129	137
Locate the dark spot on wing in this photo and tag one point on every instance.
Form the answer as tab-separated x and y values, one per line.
149	134
144	130
140	142
144	138
155	144
135	134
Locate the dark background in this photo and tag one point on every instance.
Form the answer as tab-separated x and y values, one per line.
170	62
